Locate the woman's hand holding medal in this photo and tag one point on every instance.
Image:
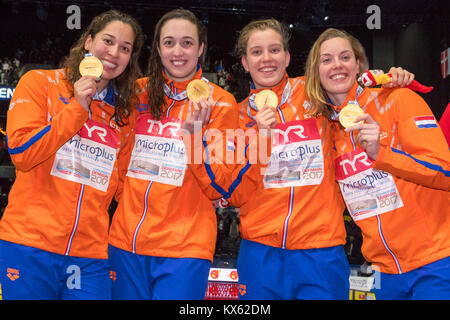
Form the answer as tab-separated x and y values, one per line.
368	134
266	101
91	69
198	94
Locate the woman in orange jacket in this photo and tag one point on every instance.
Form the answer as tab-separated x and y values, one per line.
68	137
291	212
392	169
292	227
163	233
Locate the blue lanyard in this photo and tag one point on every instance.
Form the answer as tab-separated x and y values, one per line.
335	115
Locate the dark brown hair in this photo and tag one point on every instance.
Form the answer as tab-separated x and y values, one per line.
125	84
156	94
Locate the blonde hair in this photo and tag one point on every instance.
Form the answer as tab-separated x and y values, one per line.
314	90
264	24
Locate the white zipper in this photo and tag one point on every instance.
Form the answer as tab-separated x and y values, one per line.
77	218
144	214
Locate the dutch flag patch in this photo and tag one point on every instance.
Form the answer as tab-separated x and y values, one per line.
425	122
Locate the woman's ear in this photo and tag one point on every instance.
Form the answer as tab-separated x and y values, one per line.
87	43
244	63
200	50
359	67
288	58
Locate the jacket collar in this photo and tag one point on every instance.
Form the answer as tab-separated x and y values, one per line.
356	93
181	86
278	88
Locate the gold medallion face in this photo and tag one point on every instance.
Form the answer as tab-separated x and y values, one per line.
91	66
266	97
197	89
348	115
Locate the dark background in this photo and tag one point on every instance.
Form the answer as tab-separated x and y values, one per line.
412	34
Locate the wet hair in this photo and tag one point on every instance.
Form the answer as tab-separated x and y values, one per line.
155	87
314	90
261	25
125	84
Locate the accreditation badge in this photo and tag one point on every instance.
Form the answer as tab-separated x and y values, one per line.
297	155
367	192
88	157
159	153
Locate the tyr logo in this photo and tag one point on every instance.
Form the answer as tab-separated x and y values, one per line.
361	157
101	132
173	127
291	134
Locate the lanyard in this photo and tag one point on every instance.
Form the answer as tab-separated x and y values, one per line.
359	90
105	96
176	96
335	115
285	95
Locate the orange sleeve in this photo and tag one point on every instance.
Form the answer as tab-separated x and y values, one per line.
33	134
424	157
211	153
248	176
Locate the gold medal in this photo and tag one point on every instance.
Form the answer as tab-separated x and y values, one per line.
266	97
348	115
197	89
91	66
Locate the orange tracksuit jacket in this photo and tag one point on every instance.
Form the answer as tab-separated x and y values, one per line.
45	211
158	219
414	151
301	217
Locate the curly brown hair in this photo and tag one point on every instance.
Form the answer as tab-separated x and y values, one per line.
155	68
125	84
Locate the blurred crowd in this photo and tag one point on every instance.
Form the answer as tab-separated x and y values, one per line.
30	51
9	71
232	78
